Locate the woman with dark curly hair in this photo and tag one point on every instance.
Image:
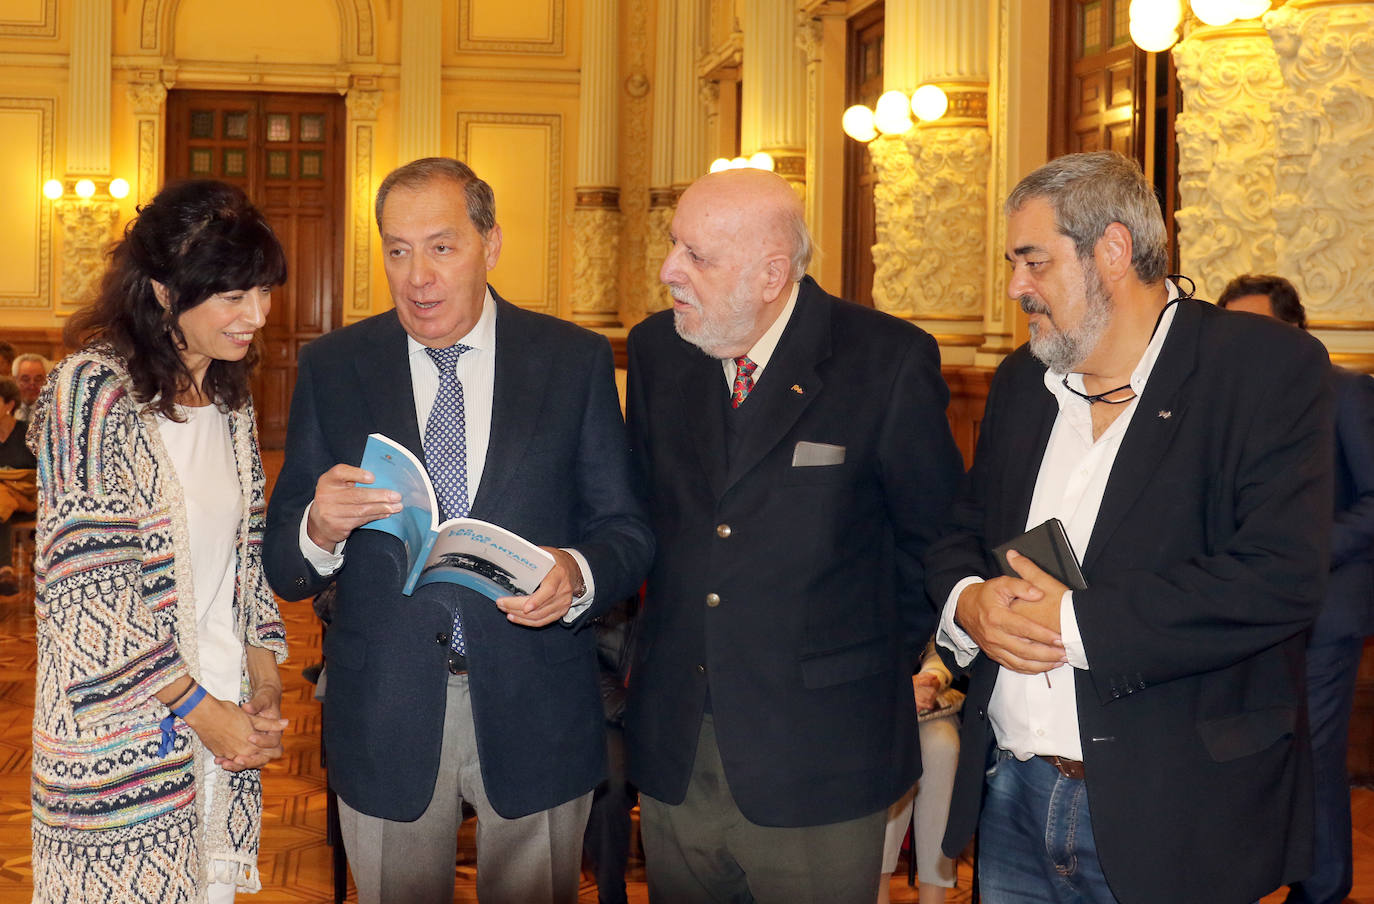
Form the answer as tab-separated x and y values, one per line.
158	697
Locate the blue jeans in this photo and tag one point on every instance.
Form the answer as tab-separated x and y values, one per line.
1035	837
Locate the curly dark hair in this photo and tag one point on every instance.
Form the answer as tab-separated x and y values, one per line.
197	238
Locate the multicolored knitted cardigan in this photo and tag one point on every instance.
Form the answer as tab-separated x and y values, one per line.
113	820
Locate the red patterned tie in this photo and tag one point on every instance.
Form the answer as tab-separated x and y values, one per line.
744	381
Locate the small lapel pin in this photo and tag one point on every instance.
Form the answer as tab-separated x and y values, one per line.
1165	413
797	389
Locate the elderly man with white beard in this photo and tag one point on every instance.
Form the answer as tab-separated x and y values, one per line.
798	461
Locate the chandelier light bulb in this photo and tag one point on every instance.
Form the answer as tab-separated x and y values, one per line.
893	116
929	103
1152	38
857	123
739	163
1214	12
720	163
85	188
762	160
119	188
52	189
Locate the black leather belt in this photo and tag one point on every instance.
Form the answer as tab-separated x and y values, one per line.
1067	768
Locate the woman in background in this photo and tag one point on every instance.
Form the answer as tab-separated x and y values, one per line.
158	640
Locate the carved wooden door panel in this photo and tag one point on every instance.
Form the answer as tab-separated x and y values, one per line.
286	151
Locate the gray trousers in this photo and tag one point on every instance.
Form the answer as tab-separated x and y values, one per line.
705	850
530	860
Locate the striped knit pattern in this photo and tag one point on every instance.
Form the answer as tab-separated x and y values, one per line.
113	821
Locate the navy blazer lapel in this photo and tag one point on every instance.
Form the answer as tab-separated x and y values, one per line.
523	372
384	374
1158	416
789	383
702	396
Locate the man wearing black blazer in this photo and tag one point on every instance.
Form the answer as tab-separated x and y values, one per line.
798	461
510	720
1347	616
1145	739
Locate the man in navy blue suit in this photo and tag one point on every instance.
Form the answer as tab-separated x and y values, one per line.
444	696
1347	615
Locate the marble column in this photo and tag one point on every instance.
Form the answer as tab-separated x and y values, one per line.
773	105
148	99
596	216
930	264
821	36
421	80
679	136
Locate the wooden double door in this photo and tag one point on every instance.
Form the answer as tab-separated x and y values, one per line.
287	152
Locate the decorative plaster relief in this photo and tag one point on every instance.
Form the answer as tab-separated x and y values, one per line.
654	293
87	228
1226	223
931	211
596	245
362	112
1324	204
635	119
147	97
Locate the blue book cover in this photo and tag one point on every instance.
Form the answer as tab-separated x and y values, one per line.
476	554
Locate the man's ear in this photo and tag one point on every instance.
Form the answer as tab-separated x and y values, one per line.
163	296
1114	251
776	273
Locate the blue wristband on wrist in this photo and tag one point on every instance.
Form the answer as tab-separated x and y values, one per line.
184	708
168	724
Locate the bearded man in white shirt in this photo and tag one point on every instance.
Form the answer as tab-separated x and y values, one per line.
1187	453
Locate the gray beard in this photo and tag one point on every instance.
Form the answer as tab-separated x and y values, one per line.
1062	350
715	334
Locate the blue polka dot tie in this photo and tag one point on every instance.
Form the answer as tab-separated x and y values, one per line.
446	452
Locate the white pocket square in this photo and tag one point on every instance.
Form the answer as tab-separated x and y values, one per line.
811	455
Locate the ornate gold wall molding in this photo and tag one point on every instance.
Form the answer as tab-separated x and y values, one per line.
1324	205
40	214
1226	224
87	227
596	245
358	26
552	126
362	105
45	26
552	45
931	210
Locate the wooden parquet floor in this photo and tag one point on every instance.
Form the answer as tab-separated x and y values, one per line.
296	861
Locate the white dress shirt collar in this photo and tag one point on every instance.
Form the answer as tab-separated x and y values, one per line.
481	336
762	350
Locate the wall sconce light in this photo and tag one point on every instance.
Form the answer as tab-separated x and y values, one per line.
893	113
762	160
1155	24
929	103
85	189
857	123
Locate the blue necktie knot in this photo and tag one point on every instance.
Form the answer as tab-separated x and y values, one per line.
446	359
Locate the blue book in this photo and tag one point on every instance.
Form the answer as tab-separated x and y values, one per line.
467	551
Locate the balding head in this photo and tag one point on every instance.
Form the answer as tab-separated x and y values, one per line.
739	245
